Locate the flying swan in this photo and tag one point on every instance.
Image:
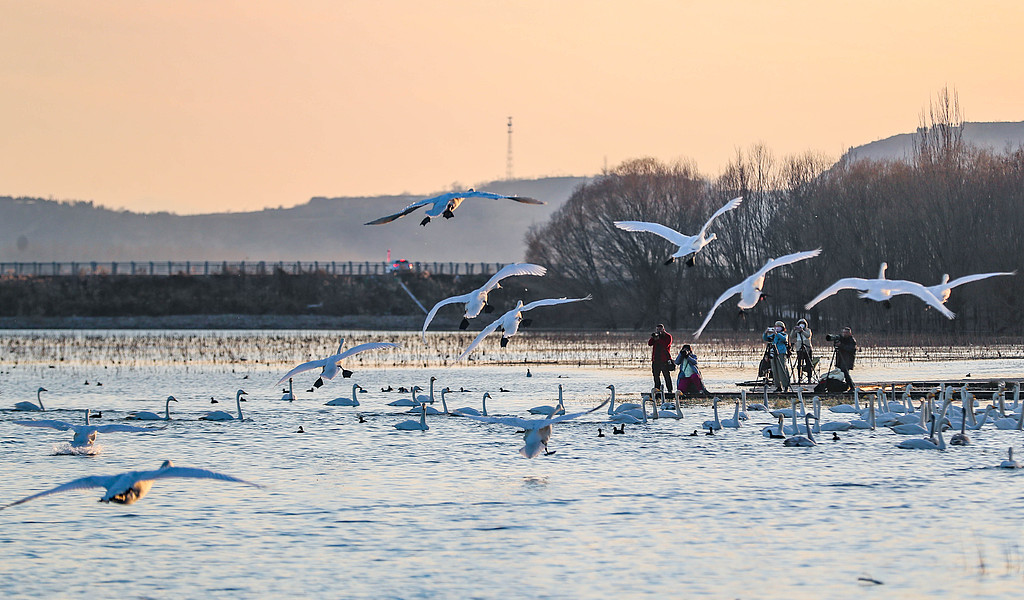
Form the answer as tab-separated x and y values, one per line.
332	364
536	432
882	290
511	321
445	205
689	245
85	435
945	287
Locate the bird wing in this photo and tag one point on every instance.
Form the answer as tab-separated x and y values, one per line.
191	472
901	286
658	229
306	366
846	283
123	428
970	278
493	196
509	271
85	482
552	302
403	212
786	260
561	418
511	421
52	424
721	211
364	348
433	311
736	289
479	338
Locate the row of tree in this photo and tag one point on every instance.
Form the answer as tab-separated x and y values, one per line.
952	209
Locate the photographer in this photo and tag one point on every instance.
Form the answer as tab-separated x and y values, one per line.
800	344
661	357
778	342
689	380
846	352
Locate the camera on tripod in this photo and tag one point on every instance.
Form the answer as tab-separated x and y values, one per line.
832	337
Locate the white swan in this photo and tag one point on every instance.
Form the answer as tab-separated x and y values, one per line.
513	319
536	432
925	443
623	406
468	410
547	410
476	301
445	205
734	422
331	365
882	290
342	401
408	401
289	396
716	423
961	439
25	405
799	441
658	409
689	245
847	408
413	425
1010	463
132	486
944	288
750	288
85	435
774	431
145	415
220	415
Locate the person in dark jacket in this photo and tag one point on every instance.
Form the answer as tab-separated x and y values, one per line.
846	352
661	357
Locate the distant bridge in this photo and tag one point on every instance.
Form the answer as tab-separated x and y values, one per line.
168	268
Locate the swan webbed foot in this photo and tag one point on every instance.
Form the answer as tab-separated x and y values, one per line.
692	260
488	309
346	373
549	453
319	382
425	221
448	214
504	342
464	324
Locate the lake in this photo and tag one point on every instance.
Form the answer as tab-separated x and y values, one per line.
362	510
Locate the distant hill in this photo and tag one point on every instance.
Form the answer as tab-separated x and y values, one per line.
994	136
323	229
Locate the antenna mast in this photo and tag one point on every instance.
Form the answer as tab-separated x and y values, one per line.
508	157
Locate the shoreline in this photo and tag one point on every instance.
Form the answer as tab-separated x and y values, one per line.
226	321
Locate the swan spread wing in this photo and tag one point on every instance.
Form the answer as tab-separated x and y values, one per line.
721	211
363	348
402	213
786	260
493	196
901	286
433	311
969	279
52	424
510	421
510	271
123	428
736	289
193	473
306	366
657	229
846	283
479	338
552	302
103	481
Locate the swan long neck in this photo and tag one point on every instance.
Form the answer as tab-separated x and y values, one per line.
39	399
611	405
444	403
485	403
238	404
167	410
87	411
807	424
423	415
856	398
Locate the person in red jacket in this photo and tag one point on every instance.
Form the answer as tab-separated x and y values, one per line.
661	357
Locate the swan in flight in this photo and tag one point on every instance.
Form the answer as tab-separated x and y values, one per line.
413	425
145	415
353	401
26	405
513	319
689	245
331	365
944	288
476	301
85	435
132	486
221	415
750	288
536	432
882	290
445	205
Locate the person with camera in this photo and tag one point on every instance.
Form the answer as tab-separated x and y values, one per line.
689	380
800	344
661	357
846	351
777	353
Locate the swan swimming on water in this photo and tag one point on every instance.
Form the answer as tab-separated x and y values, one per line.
145	415
799	441
25	405
476	301
342	401
548	410
536	432
85	435
1010	463
468	410
510	322
750	288
132	486
221	415
413	425
332	364
689	245
445	205
289	394
882	290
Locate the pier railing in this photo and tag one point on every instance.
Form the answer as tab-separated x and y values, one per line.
168	268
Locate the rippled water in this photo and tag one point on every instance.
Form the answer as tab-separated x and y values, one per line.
364	510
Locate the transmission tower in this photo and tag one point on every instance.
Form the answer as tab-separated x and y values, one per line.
508	157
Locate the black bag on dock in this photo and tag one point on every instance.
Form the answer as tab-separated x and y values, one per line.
831	384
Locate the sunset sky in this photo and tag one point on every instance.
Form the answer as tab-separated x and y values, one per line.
204	106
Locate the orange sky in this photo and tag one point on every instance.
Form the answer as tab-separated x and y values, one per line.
202	106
